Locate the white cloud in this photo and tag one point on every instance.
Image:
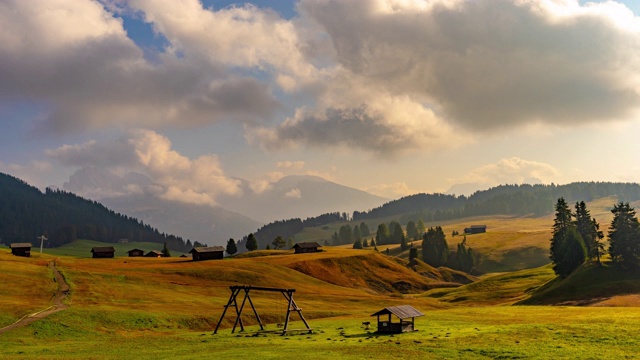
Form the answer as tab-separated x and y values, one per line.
183	179
34	173
293	194
391	191
510	171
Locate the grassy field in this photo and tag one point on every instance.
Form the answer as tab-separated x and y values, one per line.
82	248
167	308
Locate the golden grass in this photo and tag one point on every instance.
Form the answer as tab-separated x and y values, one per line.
27	285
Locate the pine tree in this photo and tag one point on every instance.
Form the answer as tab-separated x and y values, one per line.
232	248
412	230
165	251
357	244
420	228
364	229
396	233
588	229
413	254
567	250
365	243
403	244
624	236
252	243
382	235
357	235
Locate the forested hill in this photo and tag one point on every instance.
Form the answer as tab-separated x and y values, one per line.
26	213
504	199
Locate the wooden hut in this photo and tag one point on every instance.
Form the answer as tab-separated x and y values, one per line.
21	249
306	247
402	312
475	229
207	253
135	253
103	252
154	253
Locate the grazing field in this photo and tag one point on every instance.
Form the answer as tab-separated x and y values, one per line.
167	308
82	248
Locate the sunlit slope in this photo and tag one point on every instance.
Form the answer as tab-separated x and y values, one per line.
497	289
590	284
511	242
26	286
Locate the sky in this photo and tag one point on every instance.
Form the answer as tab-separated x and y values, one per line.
393	97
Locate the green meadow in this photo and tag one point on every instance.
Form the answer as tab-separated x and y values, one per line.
167	308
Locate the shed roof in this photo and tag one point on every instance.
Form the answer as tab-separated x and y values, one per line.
401	311
19	245
478	226
99	249
203	249
155	252
307	245
132	250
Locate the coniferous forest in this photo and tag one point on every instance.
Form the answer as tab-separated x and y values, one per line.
63	217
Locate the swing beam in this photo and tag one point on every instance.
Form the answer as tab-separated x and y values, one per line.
233	303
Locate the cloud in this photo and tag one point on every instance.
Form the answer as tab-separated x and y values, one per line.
488	64
35	173
293	165
76	57
293	194
174	176
391	191
512	170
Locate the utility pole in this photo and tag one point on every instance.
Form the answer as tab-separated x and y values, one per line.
42	238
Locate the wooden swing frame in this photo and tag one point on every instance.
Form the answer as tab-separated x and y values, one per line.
233	302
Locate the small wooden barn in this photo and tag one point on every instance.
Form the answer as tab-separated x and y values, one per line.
306	247
103	252
402	312
21	249
135	253
475	229
207	252
154	253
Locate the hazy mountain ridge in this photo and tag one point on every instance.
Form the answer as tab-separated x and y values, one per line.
299	196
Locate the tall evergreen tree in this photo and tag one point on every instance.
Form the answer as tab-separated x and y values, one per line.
165	251
382	234
396	232
346	235
364	229
587	227
624	236
567	250
357	234
232	248
412	230
252	243
420	228
357	244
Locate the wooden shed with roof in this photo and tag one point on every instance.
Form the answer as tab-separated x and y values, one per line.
402	312
100	252
475	229
21	249
207	252
135	252
154	253
306	247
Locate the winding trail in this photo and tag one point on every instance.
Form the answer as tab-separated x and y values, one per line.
58	304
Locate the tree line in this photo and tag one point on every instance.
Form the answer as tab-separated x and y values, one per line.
577	237
63	217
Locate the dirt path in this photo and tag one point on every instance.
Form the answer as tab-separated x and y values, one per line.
58	304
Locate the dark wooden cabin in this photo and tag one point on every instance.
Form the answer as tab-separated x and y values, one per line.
475	229
402	312
306	247
135	253
207	253
21	249
103	252
154	253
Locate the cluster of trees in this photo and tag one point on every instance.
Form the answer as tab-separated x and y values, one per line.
577	237
505	199
63	217
435	252
349	235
